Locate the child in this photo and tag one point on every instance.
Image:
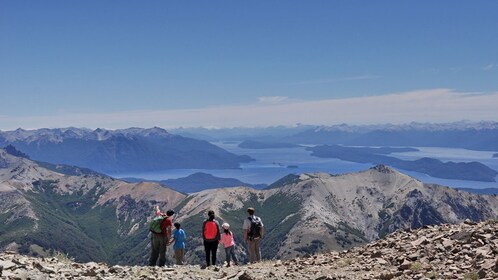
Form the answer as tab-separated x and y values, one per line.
179	238
229	244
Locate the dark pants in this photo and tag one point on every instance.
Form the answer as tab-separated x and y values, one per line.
210	247
158	247
230	252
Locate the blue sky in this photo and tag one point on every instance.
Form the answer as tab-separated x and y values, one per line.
116	64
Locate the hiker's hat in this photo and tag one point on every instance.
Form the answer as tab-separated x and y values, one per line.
225	226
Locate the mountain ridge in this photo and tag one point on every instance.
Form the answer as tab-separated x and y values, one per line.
93	216
450	135
199	181
118	151
332	212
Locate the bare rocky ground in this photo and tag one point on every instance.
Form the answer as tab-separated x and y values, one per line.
464	251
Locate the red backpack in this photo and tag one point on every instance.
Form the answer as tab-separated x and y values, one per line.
210	230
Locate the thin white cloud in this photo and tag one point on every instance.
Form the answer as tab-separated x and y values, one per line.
489	67
435	105
335	80
272	99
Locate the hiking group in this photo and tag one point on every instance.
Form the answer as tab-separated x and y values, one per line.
212	235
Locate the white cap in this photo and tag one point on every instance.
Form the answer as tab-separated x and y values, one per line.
225	225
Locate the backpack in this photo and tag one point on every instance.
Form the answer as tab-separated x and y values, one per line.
155	224
255	229
210	230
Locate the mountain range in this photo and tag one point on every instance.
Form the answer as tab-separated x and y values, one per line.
137	150
474	136
93	217
481	136
120	151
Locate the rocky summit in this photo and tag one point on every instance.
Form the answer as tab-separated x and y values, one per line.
464	251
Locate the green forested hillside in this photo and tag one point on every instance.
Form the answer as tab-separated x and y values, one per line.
72	224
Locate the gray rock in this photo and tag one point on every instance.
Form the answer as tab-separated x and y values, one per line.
245	276
116	269
90	272
405	265
325	278
6	265
376	254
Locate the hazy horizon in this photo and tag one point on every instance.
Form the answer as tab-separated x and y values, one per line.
467	122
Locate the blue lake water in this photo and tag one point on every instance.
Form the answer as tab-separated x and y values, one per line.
272	164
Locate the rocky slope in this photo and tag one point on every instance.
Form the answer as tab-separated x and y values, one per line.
321	212
93	217
463	251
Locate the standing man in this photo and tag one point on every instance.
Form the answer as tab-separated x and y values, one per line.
253	233
160	237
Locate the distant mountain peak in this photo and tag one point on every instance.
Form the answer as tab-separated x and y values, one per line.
15	152
157	131
383	169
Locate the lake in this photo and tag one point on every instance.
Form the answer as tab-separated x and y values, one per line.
273	164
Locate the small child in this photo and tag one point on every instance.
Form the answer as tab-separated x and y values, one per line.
229	244
179	238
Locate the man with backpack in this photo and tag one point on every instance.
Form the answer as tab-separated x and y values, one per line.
160	228
253	233
211	235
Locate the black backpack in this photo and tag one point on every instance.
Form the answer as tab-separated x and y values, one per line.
255	229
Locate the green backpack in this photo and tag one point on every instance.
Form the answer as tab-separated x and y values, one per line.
155	224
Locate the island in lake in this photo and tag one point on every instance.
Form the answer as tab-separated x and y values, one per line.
473	171
250	144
